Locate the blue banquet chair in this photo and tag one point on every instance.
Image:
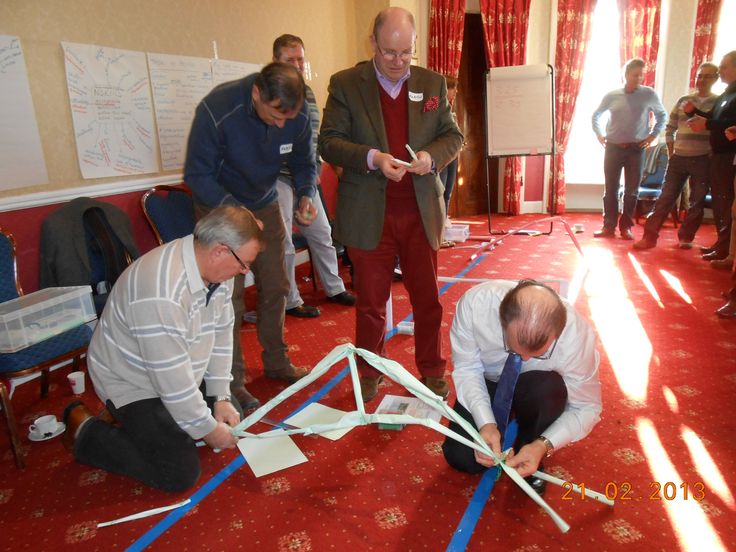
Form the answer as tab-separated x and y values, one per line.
40	357
170	212
652	182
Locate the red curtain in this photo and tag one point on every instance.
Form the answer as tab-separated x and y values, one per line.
505	25
574	23
446	26
706	25
639	24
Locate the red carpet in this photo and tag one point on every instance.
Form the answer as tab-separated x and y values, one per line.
668	368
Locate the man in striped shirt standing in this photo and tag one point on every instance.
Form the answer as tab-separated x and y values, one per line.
689	157
167	328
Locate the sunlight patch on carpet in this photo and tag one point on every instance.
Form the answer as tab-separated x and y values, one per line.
624	339
646	280
687	518
707	467
671	399
676	285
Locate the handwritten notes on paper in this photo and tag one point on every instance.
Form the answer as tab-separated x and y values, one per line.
21	154
519	110
178	83
224	70
111	110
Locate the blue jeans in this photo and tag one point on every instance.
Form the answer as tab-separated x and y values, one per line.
679	169
631	160
448	175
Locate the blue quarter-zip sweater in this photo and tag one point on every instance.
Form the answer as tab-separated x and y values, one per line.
234	158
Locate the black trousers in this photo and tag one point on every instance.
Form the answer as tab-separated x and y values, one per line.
722	173
145	444
539	399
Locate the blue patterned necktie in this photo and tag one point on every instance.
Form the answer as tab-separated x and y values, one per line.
505	391
211	288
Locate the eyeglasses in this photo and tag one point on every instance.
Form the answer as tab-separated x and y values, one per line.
245	266
545	356
390	55
699	76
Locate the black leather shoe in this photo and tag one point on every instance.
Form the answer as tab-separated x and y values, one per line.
304	311
626	234
728	311
344	298
539	485
706	250
715	256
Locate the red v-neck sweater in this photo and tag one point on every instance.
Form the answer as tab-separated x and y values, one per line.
396	120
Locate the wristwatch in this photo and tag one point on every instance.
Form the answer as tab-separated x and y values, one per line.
548	445
219	398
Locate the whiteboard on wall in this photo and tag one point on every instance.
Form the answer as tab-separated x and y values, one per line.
520	110
21	154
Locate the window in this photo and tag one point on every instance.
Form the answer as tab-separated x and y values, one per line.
724	38
602	73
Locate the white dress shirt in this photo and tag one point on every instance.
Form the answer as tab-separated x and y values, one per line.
478	353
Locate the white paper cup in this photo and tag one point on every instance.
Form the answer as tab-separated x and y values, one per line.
577	228
76	380
45	425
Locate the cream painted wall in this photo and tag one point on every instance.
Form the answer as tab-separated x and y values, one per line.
676	46
537	42
335	33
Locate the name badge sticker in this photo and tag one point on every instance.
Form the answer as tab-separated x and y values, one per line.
416	96
285	148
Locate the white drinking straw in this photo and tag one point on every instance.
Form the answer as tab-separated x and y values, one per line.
147	513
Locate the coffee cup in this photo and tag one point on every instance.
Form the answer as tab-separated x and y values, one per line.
76	380
577	228
44	426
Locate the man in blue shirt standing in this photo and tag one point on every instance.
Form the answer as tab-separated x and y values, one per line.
243	131
627	135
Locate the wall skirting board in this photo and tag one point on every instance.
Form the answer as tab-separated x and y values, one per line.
38	199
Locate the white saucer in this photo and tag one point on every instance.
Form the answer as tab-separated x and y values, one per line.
59	430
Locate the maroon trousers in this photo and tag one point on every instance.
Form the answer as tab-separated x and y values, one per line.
403	235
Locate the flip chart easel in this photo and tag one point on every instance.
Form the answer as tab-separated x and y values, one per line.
520	116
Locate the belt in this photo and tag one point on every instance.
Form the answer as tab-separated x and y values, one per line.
626	145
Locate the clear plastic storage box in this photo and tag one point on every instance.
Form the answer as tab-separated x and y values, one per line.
43	314
457	232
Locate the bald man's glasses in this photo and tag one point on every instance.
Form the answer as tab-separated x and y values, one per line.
390	55
544	356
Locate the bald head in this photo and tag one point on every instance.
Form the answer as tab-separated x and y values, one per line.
393	40
395	18
534	313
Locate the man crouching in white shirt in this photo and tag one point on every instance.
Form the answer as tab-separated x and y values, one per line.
557	397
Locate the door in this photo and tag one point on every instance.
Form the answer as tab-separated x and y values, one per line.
469	196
